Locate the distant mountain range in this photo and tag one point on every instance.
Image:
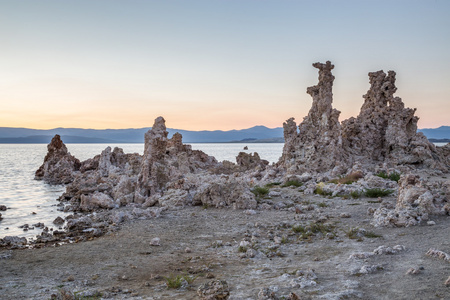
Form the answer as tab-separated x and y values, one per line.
257	134
77	135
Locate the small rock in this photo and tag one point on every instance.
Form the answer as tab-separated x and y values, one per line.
2	207
447	282
293	296
251	253
58	221
412	271
250	212
345	215
70	278
187	250
33	213
215	289
431	223
155	242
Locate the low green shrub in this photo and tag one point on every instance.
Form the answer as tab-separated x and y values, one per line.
394	176
377	192
176	281
260	191
319	191
272	184
292	183
355	194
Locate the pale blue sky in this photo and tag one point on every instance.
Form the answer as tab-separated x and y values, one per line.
213	64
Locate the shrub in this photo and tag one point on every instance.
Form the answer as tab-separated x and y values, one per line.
349	179
269	185
319	191
298	228
352	233
394	176
355	194
371	235
176	281
242	249
375	193
260	191
292	183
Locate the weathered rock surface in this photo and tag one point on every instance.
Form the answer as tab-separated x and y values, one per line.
59	165
417	199
384	132
318	145
214	290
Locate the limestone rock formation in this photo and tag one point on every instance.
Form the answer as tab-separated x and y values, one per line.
223	191
318	145
167	160
248	161
384	132
59	165
416	201
113	178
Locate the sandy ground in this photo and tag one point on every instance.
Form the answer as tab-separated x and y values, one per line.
203	243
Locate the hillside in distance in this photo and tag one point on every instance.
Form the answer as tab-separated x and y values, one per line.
256	134
78	135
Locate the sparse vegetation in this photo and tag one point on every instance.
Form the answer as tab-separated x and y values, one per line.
394	176
292	183
242	249
322	204
376	192
306	232
357	233
352	233
319	191
349	179
272	184
298	228
355	194
176	281
371	235
260	191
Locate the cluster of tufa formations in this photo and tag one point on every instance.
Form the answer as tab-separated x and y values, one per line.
384	133
377	154
382	138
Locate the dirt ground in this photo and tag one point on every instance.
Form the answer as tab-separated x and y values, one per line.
203	244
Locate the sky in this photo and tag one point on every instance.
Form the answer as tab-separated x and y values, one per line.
213	65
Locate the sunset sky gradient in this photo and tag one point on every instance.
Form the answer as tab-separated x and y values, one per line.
213	64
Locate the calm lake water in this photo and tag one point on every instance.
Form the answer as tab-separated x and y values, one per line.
30	201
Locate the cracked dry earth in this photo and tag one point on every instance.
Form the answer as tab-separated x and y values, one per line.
266	255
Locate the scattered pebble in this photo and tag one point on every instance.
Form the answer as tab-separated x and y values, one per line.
58	221
412	271
250	212
438	254
215	289
155	242
447	282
